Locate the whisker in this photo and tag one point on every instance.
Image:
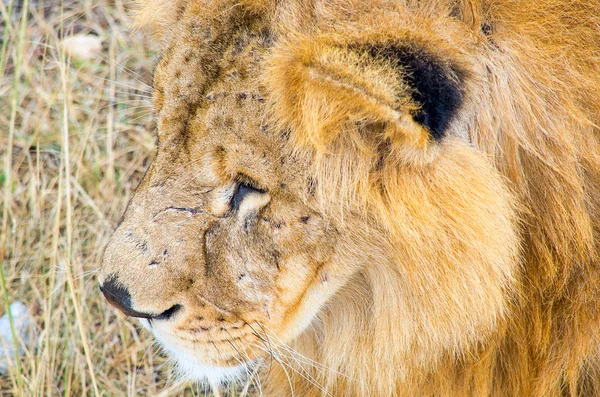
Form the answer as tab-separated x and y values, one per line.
148	350
114	82
267	344
149	109
136	100
280	341
244	392
302	372
260	337
300	359
215	388
287	375
124	69
307	377
243	363
307	360
139	117
130	93
129	108
240	359
247	362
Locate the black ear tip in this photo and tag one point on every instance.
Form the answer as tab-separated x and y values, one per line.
437	86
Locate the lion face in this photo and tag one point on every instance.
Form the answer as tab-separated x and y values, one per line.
219	240
291	170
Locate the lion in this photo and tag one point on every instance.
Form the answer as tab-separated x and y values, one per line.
380	198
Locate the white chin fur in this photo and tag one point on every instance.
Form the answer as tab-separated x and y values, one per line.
205	373
191	368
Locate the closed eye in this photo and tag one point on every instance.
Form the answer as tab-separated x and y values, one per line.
242	190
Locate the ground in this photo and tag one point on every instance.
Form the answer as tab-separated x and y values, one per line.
76	136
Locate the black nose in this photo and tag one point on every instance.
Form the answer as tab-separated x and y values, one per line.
118	296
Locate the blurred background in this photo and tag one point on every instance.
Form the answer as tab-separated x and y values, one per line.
77	133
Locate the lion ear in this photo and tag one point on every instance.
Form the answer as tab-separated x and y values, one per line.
326	90
157	15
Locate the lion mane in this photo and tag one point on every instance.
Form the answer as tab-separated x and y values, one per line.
371	198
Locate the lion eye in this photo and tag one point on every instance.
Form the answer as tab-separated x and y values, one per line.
242	190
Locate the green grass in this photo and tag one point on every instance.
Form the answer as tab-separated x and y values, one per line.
76	137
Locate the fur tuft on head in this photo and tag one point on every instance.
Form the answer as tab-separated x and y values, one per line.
160	16
156	16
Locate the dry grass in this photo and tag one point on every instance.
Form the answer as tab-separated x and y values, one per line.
76	138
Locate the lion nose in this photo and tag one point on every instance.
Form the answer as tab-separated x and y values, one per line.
118	296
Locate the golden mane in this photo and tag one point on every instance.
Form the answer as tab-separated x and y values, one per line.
513	215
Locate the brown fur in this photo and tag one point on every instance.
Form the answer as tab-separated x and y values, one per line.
394	263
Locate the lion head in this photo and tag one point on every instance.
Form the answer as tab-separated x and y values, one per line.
323	181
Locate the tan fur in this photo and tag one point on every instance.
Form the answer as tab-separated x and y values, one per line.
392	263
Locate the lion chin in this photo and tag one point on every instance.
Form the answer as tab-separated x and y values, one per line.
371	198
208	375
187	365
